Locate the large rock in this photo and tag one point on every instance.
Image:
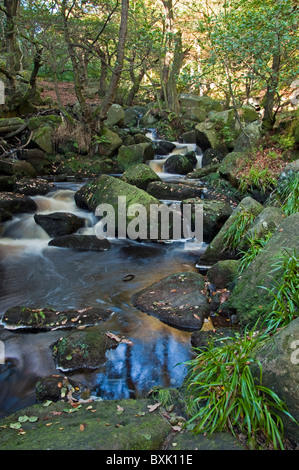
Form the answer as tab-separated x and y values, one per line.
249	138
59	223
115	116
194	113
231	166
206	135
265	223
33	187
46	319
218	249
43	137
178	165
279	360
140	175
82	350
163	147
177	300
81	242
189	100
250	299
215	214
110	143
189	441
173	191
18	168
113	425
133	154
37	158
108	190
16	203
7	183
223	273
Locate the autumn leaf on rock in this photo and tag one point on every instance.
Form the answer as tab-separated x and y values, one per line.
152	408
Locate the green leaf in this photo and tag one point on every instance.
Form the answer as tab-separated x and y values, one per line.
15	425
33	419
23	419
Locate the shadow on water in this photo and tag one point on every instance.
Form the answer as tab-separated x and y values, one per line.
36	275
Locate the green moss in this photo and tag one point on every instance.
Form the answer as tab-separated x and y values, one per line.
40	121
103	425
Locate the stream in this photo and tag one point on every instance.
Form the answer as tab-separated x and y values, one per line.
36	275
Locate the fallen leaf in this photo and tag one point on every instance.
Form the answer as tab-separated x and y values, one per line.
113	336
176	428
152	408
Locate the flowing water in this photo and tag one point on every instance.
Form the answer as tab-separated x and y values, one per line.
157	164
36	275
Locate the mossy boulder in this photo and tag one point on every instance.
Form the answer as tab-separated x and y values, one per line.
250	298
82	350
248	138
100	425
264	224
279	361
18	168
45	319
200	173
178	300
189	100
223	274
231	165
219	249
248	114
107	190
200	442
206	135
134	154
178	164
194	113
43	128
37	158
173	191
115	115
215	214
52	120
43	137
108	144
140	175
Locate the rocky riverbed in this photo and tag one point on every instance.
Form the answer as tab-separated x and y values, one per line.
94	329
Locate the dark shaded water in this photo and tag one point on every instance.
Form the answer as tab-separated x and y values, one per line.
36	275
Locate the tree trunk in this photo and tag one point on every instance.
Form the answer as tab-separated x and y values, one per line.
13	60
269	115
172	61
135	87
75	64
101	111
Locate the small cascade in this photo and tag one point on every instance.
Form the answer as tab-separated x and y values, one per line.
157	164
23	233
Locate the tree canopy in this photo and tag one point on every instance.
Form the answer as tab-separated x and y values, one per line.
236	50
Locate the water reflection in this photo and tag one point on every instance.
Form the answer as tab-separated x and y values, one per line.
133	370
35	275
